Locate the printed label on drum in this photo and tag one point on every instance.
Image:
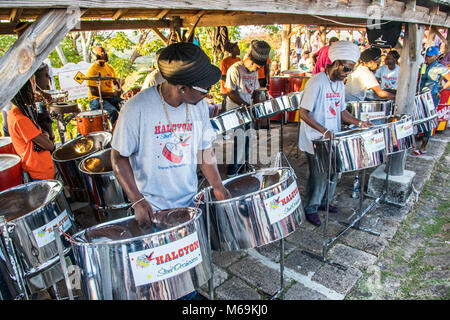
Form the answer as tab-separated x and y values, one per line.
44	235
166	261
403	130
374	142
371	115
282	204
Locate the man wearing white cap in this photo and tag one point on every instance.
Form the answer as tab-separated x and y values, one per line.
321	109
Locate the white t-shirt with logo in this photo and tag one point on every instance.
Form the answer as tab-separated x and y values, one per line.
325	100
164	168
242	81
389	78
358	82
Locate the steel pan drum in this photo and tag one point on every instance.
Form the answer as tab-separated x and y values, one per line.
6	145
368	110
58	95
105	192
121	261
230	120
399	132
294	100
34	209
425	115
272	107
68	156
352	150
10	171
63	107
265	207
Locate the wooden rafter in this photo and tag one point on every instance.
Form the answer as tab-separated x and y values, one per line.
15	15
119	14
162	14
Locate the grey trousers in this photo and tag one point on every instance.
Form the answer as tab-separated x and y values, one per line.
316	190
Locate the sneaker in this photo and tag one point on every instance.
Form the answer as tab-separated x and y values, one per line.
333	209
313	218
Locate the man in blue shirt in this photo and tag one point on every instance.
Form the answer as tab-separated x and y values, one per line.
431	79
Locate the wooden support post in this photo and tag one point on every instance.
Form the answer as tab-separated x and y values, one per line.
285	47
26	55
323	35
409	68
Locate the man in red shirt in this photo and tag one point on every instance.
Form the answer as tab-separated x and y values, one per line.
322	57
31	143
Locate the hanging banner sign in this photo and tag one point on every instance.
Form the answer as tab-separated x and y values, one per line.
166	261
44	235
374	143
282	204
404	130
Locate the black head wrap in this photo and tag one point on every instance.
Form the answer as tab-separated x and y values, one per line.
259	52
186	64
370	54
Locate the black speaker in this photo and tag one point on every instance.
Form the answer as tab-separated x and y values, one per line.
385	35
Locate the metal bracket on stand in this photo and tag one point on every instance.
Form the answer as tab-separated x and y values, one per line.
101	103
208	233
62	261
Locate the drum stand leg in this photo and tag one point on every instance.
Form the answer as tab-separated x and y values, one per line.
101	104
360	212
325	242
17	270
62	261
208	233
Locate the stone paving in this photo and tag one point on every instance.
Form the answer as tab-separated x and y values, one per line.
255	274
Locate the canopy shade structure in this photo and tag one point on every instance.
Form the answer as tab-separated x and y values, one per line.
138	14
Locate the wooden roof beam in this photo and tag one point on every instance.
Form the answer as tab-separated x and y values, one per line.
160	36
15	15
162	14
119	14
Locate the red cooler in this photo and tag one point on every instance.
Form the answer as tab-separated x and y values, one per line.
443	110
278	87
6	145
10	171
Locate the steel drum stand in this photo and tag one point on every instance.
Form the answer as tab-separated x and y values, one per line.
359	213
101	103
208	234
62	261
13	259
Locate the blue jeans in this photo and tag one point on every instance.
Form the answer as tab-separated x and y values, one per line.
316	190
189	296
110	105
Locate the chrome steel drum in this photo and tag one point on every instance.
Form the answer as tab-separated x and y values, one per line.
58	95
68	156
60	108
121	261
266	207
425	115
231	119
352	150
262	94
399	132
105	192
294	99
368	110
272	107
33	210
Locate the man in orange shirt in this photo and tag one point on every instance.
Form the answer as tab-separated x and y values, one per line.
225	64
264	75
31	143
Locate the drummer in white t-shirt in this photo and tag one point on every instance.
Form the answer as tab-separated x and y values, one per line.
322	109
241	84
363	79
387	74
163	134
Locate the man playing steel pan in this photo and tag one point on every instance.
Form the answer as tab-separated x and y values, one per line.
241	85
164	132
321	109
